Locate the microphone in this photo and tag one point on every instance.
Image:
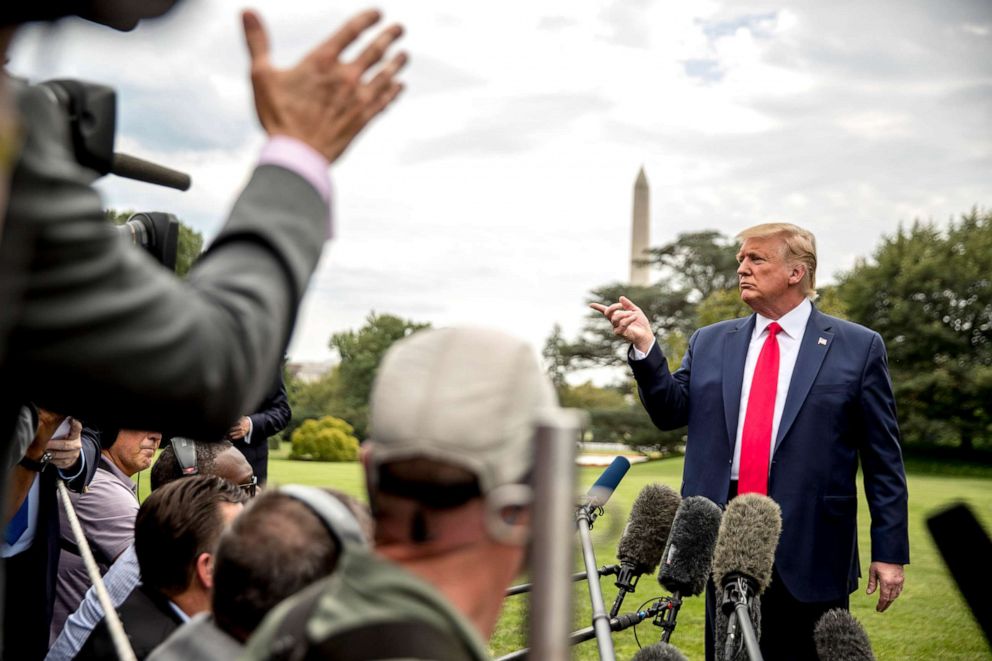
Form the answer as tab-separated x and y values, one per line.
602	489
840	637
966	548
132	167
586	513
742	568
685	565
659	652
643	538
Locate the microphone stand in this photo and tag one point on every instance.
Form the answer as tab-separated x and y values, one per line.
666	615
582	635
626	582
585	516
605	570
736	597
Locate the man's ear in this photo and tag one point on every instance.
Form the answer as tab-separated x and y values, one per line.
205	570
797	273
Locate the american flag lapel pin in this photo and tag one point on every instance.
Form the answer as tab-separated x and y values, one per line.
822	341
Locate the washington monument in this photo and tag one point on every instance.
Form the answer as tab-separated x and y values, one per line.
640	234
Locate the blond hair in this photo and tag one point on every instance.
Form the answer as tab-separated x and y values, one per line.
800	246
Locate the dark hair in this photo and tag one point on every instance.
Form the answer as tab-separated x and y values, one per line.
166	468
433	484
175	525
274	549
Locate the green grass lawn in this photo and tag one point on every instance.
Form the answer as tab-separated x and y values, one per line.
929	621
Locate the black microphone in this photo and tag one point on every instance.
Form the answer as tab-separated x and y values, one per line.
742	569
840	637
659	652
966	549
685	564
132	167
643	538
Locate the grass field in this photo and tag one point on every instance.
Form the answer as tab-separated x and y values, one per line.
929	621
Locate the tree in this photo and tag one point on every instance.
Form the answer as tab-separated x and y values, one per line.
555	356
928	292
697	266
312	400
189	246
361	353
698	263
325	439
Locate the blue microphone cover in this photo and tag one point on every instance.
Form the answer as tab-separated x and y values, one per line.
604	487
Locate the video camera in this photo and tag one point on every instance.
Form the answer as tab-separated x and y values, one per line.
91	111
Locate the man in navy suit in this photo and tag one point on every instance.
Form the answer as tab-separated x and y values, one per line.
785	402
250	434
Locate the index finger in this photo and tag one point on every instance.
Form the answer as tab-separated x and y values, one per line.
347	33
255	37
598	307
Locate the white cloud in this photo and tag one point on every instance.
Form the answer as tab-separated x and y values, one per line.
498	190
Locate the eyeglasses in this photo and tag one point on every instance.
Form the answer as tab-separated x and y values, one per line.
250	487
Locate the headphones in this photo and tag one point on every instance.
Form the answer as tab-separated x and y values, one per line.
185	451
335	515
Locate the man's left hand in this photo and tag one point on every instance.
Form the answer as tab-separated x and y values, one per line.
240	429
65	451
888	579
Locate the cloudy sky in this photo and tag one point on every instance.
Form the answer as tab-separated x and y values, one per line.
498	190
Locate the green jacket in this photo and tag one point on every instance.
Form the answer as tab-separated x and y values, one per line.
368	593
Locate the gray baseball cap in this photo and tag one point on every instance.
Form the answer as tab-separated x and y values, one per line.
469	397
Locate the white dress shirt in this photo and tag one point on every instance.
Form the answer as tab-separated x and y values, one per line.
793	325
790	338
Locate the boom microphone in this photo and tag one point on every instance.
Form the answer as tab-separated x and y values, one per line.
742	567
132	167
966	549
688	555
747	541
840	637
643	538
685	564
659	652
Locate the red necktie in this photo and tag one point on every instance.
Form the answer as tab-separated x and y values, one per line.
756	439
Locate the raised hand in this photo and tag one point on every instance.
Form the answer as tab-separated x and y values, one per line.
323	101
629	322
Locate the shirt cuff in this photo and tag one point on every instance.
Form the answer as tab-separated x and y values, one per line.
82	467
299	157
640	355
251	427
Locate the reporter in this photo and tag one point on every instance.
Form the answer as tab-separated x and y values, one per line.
103	317
61	450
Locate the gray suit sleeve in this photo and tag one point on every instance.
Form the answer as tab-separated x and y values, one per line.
104	333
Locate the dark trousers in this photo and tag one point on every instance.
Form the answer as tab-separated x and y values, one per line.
257	454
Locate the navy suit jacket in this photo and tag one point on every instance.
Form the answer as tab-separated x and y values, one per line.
839	407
